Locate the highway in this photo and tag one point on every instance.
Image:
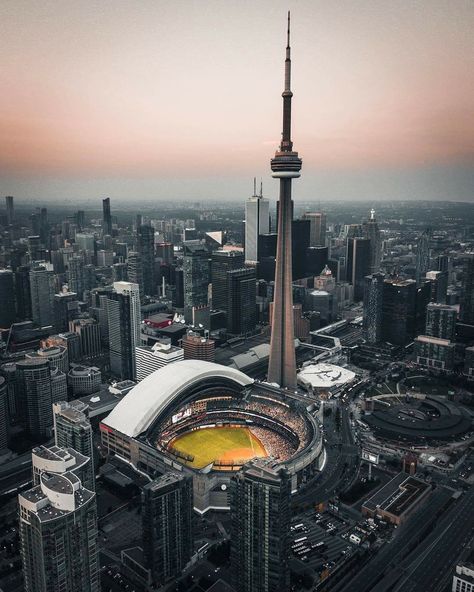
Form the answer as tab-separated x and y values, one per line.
341	464
431	566
408	536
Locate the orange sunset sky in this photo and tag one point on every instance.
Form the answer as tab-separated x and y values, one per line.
182	99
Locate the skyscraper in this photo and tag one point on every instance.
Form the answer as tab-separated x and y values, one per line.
135	270
373	300
257	221
42	296
58	535
372	232
221	263
318	228
35	396
23	292
300	233
66	308
10	209
123	311
399	311
146	248
76	275
167	507
106	217
241	303
72	429
7	299
439	285
466	311
260	515
196	274
286	165
4	415
423	254
358	263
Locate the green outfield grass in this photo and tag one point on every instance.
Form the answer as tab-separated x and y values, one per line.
214	444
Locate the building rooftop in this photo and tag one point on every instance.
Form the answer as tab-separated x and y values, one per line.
398	495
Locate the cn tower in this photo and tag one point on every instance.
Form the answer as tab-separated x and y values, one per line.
286	165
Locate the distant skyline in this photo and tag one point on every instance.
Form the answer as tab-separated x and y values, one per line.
182	100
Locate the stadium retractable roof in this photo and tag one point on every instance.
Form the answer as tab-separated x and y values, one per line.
140	407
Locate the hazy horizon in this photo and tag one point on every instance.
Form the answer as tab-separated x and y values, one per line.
182	101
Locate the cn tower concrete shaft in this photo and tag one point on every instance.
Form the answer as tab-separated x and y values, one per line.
282	364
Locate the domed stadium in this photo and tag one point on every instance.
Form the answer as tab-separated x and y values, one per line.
210	420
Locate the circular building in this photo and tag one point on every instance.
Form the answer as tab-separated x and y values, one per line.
417	420
209	420
324	378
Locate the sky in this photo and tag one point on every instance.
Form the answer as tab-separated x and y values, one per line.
157	100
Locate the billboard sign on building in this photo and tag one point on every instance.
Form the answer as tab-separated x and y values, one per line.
370	457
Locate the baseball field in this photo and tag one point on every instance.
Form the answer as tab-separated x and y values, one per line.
224	444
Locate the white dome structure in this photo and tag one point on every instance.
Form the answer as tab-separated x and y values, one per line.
327	377
145	402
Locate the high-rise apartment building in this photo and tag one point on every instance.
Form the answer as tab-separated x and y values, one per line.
221	263
257	221
35	396
58	535
260	514
58	460
434	353
106	217
167	506
72	429
7	299
146	248
441	321
317	228
123	311
42	290
373	302
241	301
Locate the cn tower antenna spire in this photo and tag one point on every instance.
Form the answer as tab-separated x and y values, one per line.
286	143
288	33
